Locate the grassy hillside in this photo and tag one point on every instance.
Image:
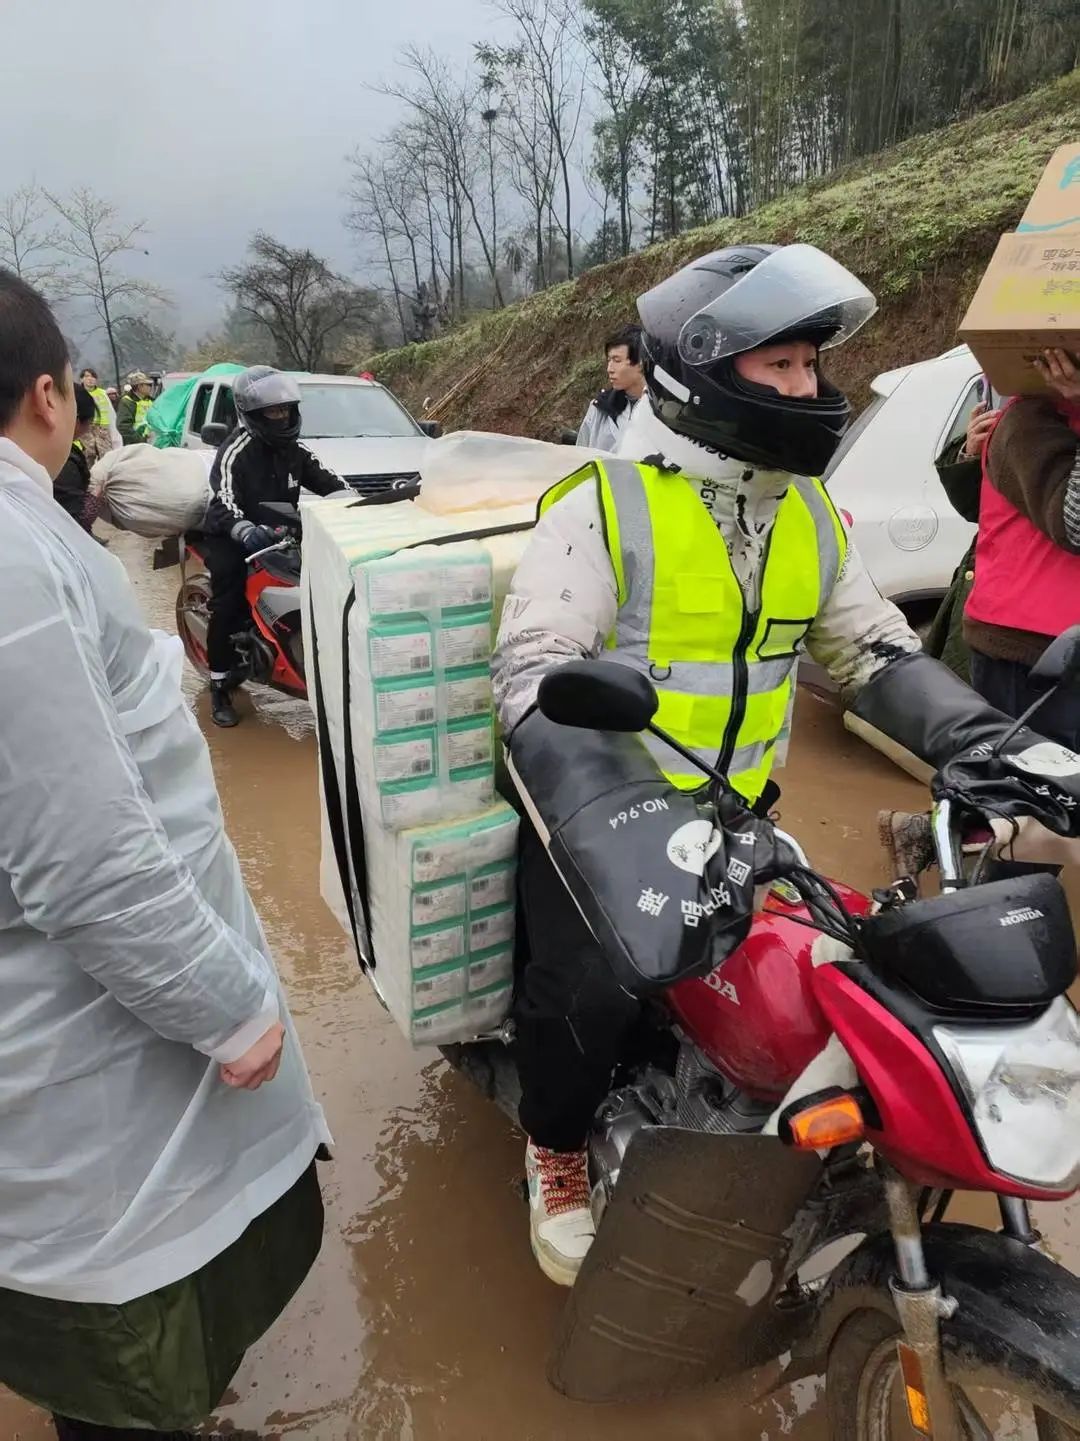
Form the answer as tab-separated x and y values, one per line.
916	223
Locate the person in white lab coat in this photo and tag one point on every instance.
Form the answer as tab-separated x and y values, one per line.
158	1198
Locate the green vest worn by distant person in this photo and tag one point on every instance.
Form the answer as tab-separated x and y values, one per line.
723	673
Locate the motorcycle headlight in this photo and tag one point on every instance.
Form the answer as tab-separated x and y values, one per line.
1023	1085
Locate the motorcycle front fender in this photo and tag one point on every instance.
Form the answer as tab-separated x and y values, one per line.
679	1287
1016	1309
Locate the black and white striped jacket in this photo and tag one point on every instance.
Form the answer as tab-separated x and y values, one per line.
247	472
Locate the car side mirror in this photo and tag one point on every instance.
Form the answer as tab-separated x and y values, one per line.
598	695
214	433
431	428
568	436
1059	664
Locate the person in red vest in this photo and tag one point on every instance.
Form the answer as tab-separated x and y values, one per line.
1027	556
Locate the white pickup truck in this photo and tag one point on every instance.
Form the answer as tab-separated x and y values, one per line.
356	427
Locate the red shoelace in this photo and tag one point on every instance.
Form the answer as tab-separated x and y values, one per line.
564	1180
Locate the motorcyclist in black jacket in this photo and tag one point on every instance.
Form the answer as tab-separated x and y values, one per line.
262	460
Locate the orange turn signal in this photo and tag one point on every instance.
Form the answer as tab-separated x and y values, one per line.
833	1122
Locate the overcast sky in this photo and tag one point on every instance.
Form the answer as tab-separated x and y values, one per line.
210	118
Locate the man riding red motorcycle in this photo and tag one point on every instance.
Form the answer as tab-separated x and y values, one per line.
707	563
262	461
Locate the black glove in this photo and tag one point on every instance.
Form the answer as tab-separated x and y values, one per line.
926	708
1031	777
773	857
920	703
664	881
256	537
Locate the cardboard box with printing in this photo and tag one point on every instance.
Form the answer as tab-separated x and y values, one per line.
1028	300
1055	205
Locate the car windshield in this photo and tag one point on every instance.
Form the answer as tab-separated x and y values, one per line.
350	410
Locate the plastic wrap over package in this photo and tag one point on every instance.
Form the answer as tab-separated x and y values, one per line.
477	470
153	492
399	611
442	911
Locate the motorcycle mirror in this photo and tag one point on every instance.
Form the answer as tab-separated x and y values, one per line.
1059	664
598	695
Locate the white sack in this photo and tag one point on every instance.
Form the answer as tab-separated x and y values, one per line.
153	492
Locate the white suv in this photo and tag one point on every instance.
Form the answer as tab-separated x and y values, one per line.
883	477
355	427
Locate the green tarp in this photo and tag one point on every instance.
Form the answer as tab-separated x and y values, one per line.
166	416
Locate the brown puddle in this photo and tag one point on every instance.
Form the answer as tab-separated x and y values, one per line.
425	1316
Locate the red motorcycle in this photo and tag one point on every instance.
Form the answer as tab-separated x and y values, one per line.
270	650
917	1048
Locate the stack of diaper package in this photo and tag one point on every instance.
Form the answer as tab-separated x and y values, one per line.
404	617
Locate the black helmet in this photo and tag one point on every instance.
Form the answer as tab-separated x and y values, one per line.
258	388
732	301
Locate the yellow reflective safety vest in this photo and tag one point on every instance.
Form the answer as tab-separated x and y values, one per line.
723	672
142	405
101	400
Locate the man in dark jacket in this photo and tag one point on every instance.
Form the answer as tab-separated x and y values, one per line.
71	485
262	460
609	414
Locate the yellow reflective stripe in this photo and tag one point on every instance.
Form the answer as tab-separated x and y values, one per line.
563	488
831	536
693	608
748	772
681	609
746	758
839	528
627	531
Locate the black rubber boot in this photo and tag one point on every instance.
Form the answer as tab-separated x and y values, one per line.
222	711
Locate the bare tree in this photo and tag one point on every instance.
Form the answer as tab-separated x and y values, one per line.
548	59
145	343
93	238
304	306
622	82
28	244
449	113
370	215
528	150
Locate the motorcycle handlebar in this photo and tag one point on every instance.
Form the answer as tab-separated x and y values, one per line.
947	845
285	544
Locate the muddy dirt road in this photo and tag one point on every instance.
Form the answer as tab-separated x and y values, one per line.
426	1318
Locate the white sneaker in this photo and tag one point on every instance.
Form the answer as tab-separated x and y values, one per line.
560	1219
